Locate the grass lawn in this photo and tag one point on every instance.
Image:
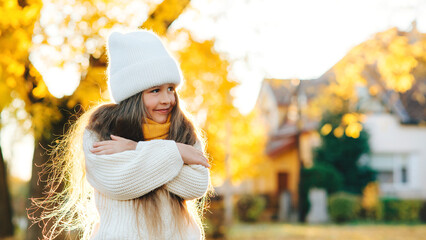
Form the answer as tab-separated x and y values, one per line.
274	231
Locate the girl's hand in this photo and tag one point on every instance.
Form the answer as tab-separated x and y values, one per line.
116	145
191	155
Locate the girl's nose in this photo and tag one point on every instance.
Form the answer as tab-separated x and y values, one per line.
165	98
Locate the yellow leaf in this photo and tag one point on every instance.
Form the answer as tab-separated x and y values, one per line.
338	132
326	129
41	90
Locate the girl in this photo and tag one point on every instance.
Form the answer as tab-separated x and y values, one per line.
143	156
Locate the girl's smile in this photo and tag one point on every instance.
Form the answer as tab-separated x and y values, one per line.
159	102
163	111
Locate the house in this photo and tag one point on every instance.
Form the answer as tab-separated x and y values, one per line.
396	123
398	154
397	126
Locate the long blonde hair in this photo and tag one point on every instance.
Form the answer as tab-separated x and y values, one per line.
69	204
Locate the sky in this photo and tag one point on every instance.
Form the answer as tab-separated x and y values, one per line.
262	39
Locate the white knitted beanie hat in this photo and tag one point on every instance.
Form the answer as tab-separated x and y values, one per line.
138	61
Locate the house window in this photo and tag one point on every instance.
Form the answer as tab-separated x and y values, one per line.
392	169
385	177
404	177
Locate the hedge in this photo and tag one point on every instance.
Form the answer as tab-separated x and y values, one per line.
344	207
398	210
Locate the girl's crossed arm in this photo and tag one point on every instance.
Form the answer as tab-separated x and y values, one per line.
191	182
130	174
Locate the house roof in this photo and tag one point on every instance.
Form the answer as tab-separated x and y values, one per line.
285	138
410	106
284	89
414	102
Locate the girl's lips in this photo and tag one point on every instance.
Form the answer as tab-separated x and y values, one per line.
163	111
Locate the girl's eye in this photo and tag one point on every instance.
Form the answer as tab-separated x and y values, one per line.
171	89
155	90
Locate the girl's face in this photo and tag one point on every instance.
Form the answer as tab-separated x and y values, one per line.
159	102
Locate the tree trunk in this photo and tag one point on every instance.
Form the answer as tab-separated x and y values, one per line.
6	226
228	193
36	187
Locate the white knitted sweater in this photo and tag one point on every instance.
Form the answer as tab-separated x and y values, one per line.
118	178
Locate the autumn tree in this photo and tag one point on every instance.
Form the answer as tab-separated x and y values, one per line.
391	66
16	24
78	38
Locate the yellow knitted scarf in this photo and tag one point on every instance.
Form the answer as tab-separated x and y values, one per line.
153	130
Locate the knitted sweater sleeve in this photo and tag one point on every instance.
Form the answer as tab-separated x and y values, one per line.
131	174
191	182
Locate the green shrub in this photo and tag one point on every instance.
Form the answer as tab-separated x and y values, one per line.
402	210
423	212
250	207
344	207
214	218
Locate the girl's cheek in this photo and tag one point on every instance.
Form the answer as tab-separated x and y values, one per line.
173	100
149	102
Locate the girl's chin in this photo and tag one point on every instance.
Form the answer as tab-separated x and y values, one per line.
160	119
